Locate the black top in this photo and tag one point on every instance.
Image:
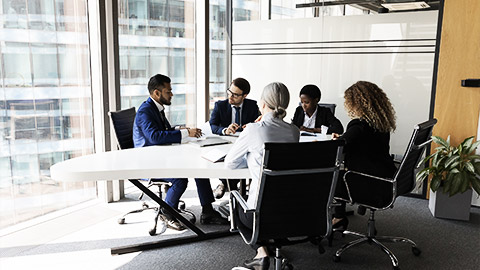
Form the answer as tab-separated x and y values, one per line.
324	117
367	150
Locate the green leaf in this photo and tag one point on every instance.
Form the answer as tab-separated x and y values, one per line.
467	142
454	171
473	157
473	147
451	160
441	141
465	184
475	182
435	184
469	167
456	183
446	186
421	175
477	167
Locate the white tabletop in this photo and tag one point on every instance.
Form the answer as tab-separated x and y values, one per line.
169	161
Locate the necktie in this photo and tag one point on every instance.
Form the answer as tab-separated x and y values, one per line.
165	121
237	117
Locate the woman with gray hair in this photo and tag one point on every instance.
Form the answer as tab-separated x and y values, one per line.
248	149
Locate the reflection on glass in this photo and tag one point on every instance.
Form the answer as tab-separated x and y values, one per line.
286	9
158	36
45	105
242	11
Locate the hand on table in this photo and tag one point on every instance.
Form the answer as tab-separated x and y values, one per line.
232	128
194	132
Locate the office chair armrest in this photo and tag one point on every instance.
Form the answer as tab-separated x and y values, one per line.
369	176
234	194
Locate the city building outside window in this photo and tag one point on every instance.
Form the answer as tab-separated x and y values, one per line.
45	105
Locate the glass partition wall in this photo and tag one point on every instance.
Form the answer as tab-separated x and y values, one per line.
45	105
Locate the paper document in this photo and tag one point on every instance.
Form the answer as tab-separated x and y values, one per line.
209	141
214	155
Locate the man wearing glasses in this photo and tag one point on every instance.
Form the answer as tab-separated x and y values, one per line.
230	116
151	127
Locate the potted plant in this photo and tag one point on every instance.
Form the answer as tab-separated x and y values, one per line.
454	171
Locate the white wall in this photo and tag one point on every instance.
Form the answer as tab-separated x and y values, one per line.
395	51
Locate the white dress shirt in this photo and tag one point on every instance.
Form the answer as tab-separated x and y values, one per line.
233	116
248	149
309	122
160	108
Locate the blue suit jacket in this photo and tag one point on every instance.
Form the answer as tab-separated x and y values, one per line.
149	129
222	114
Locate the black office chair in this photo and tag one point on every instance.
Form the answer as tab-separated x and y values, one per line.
281	206
383	192
331	106
123	126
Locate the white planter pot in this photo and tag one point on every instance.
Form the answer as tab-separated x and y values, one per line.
455	207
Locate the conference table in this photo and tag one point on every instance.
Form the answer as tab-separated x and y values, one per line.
166	161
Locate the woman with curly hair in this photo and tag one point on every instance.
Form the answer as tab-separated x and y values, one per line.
367	140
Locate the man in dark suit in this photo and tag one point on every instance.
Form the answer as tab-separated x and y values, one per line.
151	127
230	116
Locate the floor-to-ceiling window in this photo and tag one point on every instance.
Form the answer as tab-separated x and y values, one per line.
45	104
243	10
158	36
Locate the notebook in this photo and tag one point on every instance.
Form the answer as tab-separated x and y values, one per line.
209	142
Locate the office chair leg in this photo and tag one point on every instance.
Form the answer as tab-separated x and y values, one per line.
336	256
144	207
415	250
354	234
388	251
280	262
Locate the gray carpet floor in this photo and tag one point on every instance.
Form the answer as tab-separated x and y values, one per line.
445	244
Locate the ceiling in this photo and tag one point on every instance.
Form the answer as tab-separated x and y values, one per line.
376	5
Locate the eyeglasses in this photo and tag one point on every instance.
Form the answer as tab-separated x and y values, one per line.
235	95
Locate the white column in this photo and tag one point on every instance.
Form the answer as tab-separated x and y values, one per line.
202	13
105	83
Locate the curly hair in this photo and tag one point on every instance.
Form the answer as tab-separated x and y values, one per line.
365	100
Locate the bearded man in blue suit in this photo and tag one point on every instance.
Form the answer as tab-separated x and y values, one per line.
151	127
230	116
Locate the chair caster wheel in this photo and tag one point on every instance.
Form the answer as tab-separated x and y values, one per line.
286	265
121	221
181	205
152	232
396	268
336	258
416	251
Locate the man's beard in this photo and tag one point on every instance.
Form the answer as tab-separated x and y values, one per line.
165	101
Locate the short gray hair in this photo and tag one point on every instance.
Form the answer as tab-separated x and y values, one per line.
276	97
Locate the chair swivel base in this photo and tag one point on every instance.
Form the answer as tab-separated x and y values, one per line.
372	238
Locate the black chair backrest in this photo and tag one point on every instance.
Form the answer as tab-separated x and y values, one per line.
296	187
405	175
331	106
123	125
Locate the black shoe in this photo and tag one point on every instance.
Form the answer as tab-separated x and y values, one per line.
172	223
258	264
219	191
213	218
341	225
